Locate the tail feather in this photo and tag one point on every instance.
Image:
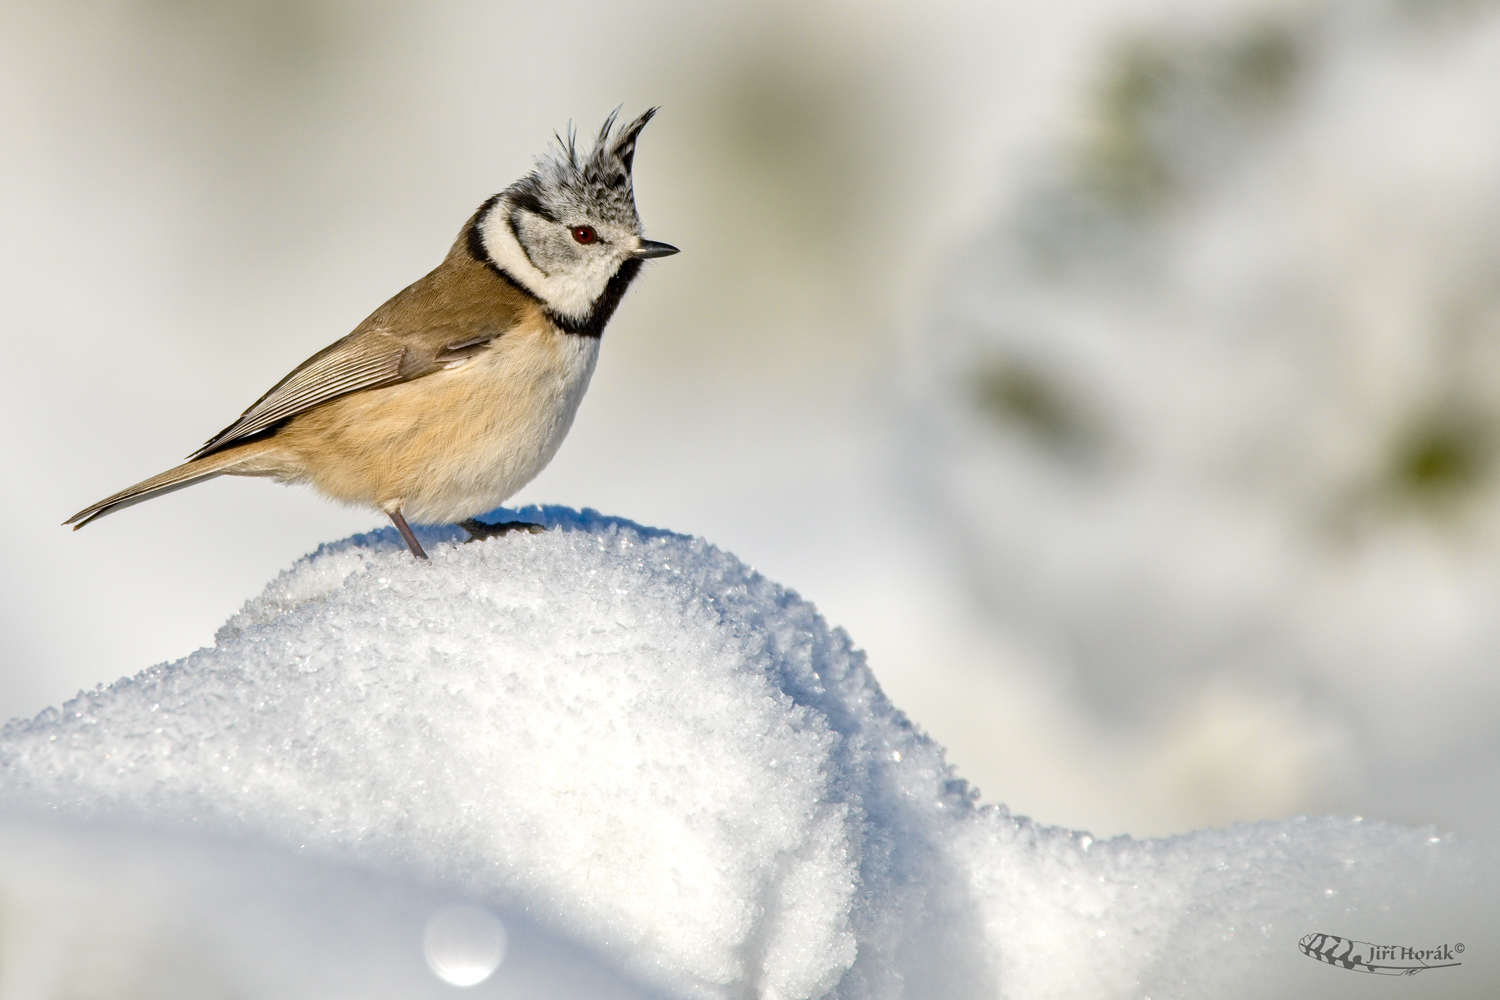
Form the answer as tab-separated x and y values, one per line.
208	467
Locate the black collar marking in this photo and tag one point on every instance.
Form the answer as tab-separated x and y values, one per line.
604	306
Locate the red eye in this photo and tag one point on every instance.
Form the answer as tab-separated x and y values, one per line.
584	234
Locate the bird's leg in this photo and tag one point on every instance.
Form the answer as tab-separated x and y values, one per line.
478	530
406	533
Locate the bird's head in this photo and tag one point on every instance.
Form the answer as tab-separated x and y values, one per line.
568	232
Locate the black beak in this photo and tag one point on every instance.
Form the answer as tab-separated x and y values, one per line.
651	248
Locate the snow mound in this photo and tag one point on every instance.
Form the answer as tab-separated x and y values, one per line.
671	763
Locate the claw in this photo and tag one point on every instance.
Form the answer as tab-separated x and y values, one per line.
478	530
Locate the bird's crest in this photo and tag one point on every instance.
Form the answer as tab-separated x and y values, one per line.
600	180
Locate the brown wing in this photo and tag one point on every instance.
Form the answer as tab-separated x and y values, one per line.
448	316
366	359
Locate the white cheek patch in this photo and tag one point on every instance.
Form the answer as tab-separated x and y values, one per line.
571	290
500	243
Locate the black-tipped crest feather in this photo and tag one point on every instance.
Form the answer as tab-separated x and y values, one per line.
600	180
624	149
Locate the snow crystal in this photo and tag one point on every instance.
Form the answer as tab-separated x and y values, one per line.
664	760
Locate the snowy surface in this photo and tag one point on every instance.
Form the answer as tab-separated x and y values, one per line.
664	772
122	913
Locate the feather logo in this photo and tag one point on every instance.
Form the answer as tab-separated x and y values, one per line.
1379	959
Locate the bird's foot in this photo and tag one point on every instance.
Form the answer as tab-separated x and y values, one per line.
478	530
407	535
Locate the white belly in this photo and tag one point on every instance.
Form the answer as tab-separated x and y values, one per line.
506	413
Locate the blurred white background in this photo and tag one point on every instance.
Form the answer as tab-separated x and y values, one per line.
1120	373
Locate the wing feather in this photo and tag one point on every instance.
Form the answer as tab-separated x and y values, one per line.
445	318
360	361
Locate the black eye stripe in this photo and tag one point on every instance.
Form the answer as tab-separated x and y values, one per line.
532	202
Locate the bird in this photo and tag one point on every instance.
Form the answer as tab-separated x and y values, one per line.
457	391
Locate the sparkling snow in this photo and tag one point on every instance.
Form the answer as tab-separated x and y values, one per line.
655	766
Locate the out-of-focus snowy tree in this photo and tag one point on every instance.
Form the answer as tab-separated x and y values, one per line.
1214	412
